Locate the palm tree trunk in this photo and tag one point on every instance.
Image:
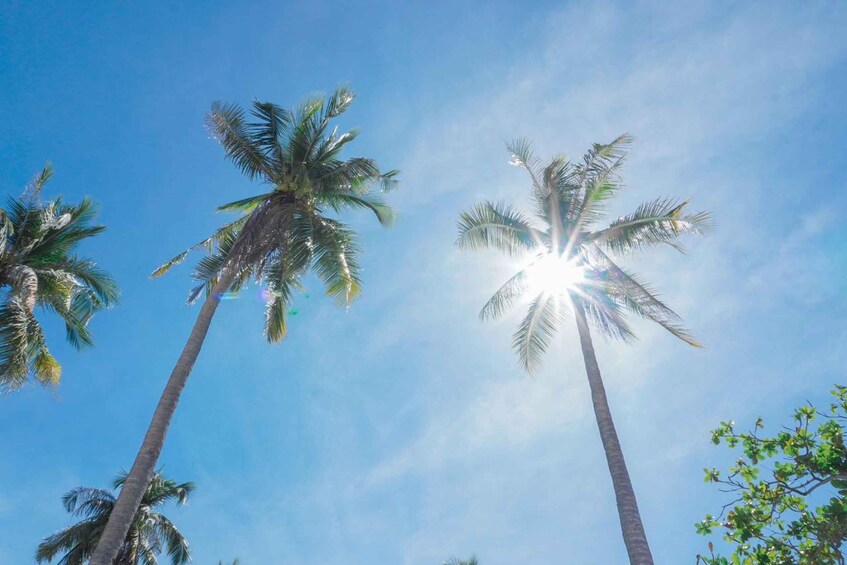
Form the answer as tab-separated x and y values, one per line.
142	469
631	526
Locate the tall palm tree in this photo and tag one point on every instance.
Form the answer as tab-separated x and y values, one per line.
569	265
278	237
38	268
149	534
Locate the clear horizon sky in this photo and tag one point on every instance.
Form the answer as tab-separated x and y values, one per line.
403	430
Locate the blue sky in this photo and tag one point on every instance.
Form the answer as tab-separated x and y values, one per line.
402	429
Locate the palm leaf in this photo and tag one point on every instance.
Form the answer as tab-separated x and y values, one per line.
227	125
496	226
537	329
336	260
657	222
504	297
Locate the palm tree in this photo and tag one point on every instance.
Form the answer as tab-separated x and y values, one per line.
455	561
569	265
278	237
39	269
149	534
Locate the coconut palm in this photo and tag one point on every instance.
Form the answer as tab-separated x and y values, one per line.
149	534
569	265
279	236
455	561
38	268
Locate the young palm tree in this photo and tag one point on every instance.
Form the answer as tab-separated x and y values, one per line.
149	534
39	269
279	236
569	265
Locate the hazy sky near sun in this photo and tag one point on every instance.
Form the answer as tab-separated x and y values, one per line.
403	430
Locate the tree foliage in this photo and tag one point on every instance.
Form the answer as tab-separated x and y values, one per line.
789	491
288	229
39	269
456	561
570	200
151	533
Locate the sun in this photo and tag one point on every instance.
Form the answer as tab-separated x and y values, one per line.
553	274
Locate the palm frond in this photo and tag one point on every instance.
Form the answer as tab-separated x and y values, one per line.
14	344
656	222
36	184
87	502
227	125
604	314
534	333
282	278
176	544
336	260
273	126
341	202
639	298
523	156
244	205
76	542
504	297
227	231
496	226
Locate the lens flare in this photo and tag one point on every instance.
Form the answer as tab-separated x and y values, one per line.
553	274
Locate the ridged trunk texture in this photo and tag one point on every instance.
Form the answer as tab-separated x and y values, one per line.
633	530
144	466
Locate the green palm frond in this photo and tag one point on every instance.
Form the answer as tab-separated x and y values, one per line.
226	123
343	202
336	260
76	542
505	296
638	297
176	544
272	125
14	344
597	178
534	333
88	502
245	205
209	244
523	156
36	185
491	225
605	314
456	561
282	278
657	222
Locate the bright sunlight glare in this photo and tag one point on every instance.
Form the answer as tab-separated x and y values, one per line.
553	274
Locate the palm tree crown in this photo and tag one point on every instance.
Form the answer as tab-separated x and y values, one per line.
285	231
569	257
38	268
150	533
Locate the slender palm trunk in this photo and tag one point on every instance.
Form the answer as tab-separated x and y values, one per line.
631	526
142	469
